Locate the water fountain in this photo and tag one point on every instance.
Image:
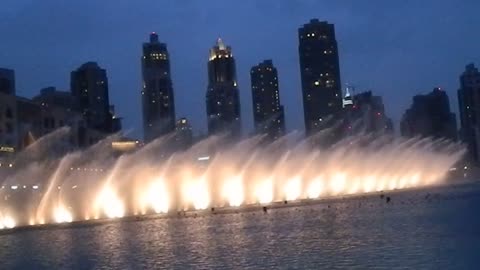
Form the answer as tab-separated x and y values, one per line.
95	184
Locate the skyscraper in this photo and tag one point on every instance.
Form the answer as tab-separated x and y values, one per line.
223	101
469	107
430	116
7	81
268	114
183	134
365	112
89	86
157	94
320	74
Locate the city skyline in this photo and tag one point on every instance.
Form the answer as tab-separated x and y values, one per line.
189	72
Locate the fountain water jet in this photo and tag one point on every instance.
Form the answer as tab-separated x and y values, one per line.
207	175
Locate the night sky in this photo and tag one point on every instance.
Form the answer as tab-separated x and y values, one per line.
395	48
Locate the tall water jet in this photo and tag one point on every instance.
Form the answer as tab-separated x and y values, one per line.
94	183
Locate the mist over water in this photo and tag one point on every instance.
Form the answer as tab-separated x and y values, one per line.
53	184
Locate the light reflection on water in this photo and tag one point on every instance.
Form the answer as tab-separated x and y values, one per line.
440	231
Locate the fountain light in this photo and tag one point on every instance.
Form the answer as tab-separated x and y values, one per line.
337	182
234	175
110	204
233	191
315	188
7	222
62	215
264	191
369	183
157	197
196	193
293	188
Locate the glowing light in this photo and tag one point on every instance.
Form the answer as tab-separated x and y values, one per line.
240	174
110	204
264	191
7	222
315	188
380	185
337	183
157	197
414	179
392	184
233	191
62	215
402	183
354	187
369	184
293	188
196	192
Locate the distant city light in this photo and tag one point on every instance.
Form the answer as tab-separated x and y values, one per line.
204	158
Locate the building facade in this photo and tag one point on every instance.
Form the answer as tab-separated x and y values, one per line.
320	74
7	81
157	94
430	116
222	98
365	113
268	113
469	107
59	109
89	87
8	124
183	134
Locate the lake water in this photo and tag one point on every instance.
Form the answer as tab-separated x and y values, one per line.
435	229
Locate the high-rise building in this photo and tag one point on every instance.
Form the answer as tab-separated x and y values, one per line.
320	74
157	93
7	81
223	101
89	86
268	114
365	112
183	134
8	124
430	116
469	107
51	110
8	113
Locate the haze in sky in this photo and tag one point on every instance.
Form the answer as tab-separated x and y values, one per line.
395	48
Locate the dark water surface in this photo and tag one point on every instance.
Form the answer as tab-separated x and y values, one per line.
414	231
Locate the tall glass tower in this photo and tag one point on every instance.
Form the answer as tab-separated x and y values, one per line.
223	101
320	74
268	114
157	93
89	86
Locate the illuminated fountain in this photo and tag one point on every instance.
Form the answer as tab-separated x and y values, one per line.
94	184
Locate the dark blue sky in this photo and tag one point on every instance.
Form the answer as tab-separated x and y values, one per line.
396	48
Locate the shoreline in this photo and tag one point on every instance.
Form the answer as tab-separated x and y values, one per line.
225	210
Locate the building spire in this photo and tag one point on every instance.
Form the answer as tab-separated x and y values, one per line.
347	99
153	37
220	44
